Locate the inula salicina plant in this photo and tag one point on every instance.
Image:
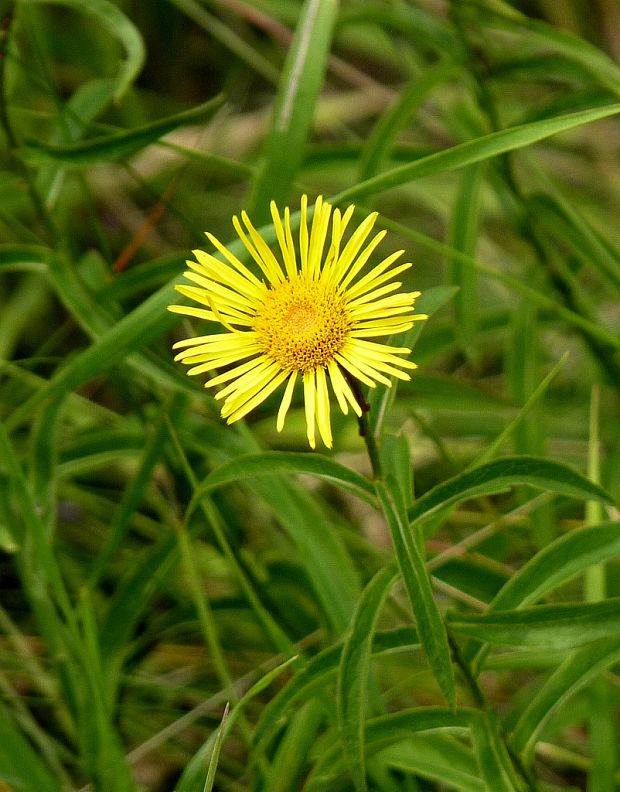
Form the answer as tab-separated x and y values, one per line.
379	550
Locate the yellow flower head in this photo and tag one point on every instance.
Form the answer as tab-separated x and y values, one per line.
311	315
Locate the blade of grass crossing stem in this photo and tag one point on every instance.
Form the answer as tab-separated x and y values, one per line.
490	451
119	26
354	671
463	234
381	399
603	738
431	629
319	671
298	91
215	756
477	150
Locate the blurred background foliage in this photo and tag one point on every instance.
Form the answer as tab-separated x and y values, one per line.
130	128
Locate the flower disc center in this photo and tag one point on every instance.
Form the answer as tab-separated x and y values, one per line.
302	324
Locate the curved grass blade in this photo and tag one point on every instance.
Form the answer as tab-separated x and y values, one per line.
435	756
577	669
557	563
500	475
354	670
477	150
270	463
119	144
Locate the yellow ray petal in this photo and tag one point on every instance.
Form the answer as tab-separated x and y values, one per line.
322	407
310	405
286	401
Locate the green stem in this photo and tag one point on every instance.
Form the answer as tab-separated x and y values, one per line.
365	429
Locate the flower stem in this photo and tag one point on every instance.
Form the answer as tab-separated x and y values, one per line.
365	429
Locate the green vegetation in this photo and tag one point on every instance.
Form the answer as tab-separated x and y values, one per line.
193	606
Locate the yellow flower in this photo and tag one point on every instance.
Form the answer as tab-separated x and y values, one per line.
310	316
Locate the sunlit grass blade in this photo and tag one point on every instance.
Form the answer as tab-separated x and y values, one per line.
491	450
464	231
294	108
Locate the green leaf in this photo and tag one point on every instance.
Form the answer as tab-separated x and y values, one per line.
20	766
577	669
477	150
354	670
557	563
431	628
500	475
215	755
120	27
464	231
564	626
271	463
119	144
